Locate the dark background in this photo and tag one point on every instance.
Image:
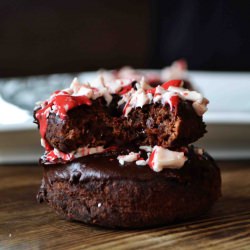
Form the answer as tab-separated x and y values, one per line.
39	37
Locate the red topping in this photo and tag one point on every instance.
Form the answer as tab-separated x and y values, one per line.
151	159
67	102
111	148
41	116
47	146
125	108
166	85
63	103
173	83
174	100
152	91
125	90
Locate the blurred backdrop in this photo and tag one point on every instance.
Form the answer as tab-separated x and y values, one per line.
40	37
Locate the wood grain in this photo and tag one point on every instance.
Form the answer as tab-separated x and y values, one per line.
24	224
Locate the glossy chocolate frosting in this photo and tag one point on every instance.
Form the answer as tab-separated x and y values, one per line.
107	167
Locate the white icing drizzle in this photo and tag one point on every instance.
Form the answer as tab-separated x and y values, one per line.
128	158
162	158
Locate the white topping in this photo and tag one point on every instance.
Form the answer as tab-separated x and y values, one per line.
83	151
135	97
186	94
55	154
128	158
85	90
200	107
140	97
141	162
75	85
178	70
129	73
199	102
66	107
164	158
158	94
43	143
146	148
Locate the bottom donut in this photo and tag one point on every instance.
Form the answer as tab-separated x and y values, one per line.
97	190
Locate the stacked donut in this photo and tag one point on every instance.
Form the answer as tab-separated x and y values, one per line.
118	153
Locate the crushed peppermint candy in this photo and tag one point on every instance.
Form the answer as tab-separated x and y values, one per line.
162	158
146	148
55	155
158	158
128	158
141	162
133	94
167	93
199	102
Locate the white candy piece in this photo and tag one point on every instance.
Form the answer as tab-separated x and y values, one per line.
146	148
80	152
84	90
141	162
139	98
75	85
164	158
128	158
200	107
177	70
83	151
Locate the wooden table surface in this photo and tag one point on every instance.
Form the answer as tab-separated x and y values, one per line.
24	224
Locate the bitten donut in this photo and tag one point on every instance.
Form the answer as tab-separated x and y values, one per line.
118	153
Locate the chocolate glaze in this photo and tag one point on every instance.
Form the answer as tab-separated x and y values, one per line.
97	190
107	167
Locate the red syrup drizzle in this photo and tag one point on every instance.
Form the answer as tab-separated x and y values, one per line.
166	85
125	90
63	102
171	83
174	102
125	108
111	148
174	99
151	159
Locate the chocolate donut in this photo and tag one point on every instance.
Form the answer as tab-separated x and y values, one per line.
97	190
117	153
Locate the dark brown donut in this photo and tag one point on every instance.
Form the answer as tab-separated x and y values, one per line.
97	190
